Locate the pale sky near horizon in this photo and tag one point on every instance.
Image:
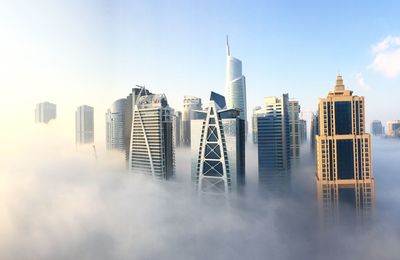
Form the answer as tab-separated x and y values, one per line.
93	52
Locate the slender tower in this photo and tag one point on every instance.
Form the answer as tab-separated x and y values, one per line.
235	85
218	148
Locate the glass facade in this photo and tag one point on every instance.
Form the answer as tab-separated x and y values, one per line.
343	122
345	159
273	134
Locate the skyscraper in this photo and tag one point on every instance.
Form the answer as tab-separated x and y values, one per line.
84	125
344	166
44	112
115	125
294	128
131	99
218	148
190	105
151	148
235	85
254	124
273	134
376	128
177	124
303	130
314	131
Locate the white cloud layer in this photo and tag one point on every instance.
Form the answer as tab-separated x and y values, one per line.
60	203
361	82
387	57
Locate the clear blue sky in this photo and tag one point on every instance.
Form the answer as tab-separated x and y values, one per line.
64	51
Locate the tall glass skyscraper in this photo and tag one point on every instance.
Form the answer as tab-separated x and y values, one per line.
235	85
151	148
84	125
273	134
314	131
273	130
218	148
344	166
115	124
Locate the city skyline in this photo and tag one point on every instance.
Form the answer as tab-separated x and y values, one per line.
235	152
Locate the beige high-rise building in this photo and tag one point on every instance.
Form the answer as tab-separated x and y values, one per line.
344	166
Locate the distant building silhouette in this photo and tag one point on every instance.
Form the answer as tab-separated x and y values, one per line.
84	125
303	131
190	105
376	128
254	124
44	112
218	148
393	128
344	166
177	124
294	128
151	148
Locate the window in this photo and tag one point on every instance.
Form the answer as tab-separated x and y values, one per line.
343	118
345	162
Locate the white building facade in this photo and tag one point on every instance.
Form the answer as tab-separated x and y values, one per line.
84	125
235	85
151	148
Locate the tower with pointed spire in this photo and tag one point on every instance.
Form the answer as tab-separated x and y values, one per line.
228	51
218	148
235	85
343	147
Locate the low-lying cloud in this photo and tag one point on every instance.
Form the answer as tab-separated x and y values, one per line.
68	206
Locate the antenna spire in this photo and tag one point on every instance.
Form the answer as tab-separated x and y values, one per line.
227	46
